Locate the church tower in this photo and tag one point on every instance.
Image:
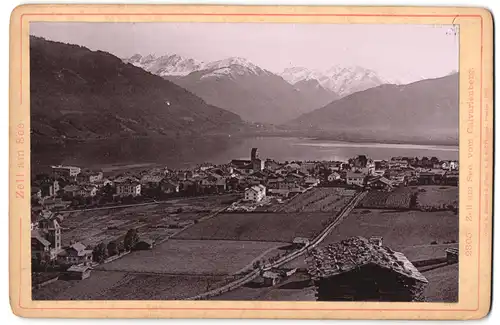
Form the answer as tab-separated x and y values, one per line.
257	163
254	154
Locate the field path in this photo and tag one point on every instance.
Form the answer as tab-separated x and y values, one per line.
287	258
209	216
172	200
344	213
258	258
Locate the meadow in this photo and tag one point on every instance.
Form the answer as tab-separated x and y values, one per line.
278	227
195	257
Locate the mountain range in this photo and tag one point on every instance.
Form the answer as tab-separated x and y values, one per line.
81	94
426	109
77	93
166	65
340	80
256	94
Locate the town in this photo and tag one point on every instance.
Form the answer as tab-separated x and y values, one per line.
84	221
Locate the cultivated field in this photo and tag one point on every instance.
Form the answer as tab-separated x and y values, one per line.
399	229
400	198
279	227
95	226
443	284
428	198
104	285
437	197
296	288
195	257
426	252
323	199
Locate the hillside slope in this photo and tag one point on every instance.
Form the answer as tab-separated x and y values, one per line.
255	94
81	94
427	109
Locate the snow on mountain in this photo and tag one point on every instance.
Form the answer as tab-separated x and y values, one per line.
176	65
296	74
166	65
342	80
231	67
239	86
234	61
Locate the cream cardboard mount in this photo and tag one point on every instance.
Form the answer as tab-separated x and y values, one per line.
366	194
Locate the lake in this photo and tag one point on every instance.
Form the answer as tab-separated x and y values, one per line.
136	153
287	149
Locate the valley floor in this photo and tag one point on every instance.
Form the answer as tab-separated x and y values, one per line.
222	248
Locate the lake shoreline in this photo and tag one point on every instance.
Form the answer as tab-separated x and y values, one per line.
442	142
278	134
118	155
422	142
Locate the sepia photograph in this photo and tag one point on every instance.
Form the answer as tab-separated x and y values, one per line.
244	161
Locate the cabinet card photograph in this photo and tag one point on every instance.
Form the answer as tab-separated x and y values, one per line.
231	161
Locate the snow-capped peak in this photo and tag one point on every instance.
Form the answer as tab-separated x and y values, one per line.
134	58
232	67
176	65
343	80
165	65
230	61
296	74
234	61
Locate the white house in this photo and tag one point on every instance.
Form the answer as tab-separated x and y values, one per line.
128	188
333	177
65	171
449	165
88	191
75	254
353	178
255	193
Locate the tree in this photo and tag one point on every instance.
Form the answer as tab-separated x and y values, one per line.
112	248
106	193
131	239
120	247
99	253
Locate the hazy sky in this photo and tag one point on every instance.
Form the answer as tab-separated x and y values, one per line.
402	52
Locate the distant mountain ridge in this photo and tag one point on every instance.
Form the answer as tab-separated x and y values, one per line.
425	109
240	86
166	65
255	94
77	93
313	89
339	79
176	65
